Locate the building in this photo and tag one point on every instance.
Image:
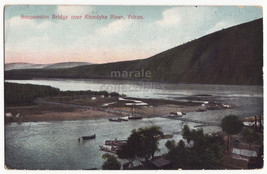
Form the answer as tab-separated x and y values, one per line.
243	154
9	115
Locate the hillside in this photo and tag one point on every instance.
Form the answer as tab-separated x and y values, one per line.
66	65
11	66
229	56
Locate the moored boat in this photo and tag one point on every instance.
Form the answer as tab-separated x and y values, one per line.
123	118
106	149
201	110
114	119
134	117
87	137
115	142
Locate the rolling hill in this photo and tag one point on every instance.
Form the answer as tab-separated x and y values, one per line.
230	56
12	66
66	65
22	65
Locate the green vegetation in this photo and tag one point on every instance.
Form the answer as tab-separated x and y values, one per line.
25	94
250	136
204	151
142	143
231	125
230	56
111	162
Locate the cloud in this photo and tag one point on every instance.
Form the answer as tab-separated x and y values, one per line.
74	10
17	22
116	27
219	26
170	17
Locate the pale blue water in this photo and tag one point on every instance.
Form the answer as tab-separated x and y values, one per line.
54	145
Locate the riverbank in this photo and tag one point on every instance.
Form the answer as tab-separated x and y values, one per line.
52	112
82	108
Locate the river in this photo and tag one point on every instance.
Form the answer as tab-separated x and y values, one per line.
54	144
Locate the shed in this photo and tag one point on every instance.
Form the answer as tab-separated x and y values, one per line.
132	165
9	114
243	154
18	115
179	113
160	163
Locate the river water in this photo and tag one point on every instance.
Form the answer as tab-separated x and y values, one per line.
54	144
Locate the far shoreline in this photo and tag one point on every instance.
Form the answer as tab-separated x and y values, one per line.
129	80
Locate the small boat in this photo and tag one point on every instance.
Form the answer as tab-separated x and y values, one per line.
123	118
110	150
179	114
115	142
134	117
114	119
201	110
87	137
200	125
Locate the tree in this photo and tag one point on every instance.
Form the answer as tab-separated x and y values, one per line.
231	125
111	162
205	153
250	136
177	153
142	143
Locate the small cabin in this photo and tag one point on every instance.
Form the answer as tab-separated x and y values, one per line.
9	115
179	113
18	116
160	163
243	154
133	165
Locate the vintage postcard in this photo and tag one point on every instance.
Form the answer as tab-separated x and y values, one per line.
133	87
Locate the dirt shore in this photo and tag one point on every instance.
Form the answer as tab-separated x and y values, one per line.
81	108
51	112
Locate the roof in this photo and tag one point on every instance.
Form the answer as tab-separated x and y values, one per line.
132	164
245	152
18	115
248	123
179	113
8	114
160	162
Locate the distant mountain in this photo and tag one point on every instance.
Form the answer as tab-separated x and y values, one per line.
66	65
13	66
230	56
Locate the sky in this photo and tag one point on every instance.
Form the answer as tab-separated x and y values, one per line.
46	41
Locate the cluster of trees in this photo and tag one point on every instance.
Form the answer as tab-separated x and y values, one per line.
232	125
196	151
88	92
111	162
141	144
250	136
24	94
200	151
